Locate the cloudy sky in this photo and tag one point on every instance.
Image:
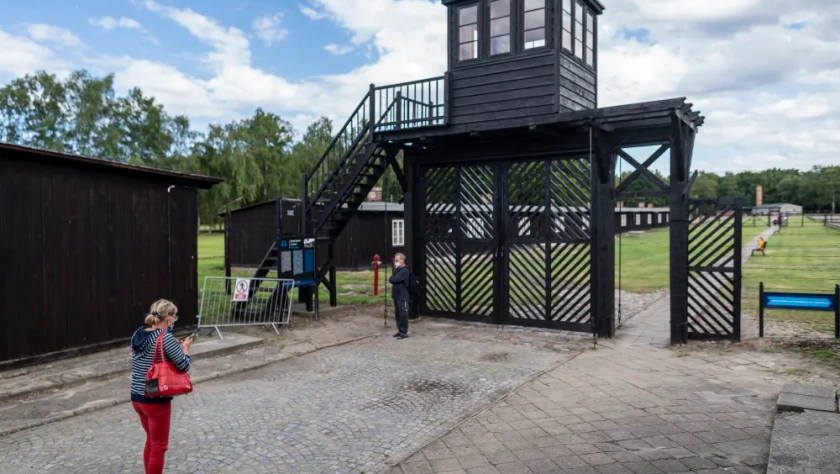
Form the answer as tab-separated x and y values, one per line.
766	73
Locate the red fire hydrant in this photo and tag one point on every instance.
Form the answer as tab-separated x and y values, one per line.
376	260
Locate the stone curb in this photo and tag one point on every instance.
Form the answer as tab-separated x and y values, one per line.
461	420
108	374
217	375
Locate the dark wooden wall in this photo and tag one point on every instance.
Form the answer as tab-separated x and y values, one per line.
85	250
578	87
254	229
522	86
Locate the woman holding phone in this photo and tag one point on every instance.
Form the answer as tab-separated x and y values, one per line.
155	413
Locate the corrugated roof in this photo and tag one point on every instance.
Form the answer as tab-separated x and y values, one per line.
198	180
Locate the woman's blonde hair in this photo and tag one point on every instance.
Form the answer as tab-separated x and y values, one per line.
159	310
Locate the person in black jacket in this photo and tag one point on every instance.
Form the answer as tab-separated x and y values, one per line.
399	292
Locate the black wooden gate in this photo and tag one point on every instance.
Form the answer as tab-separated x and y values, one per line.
714	269
508	243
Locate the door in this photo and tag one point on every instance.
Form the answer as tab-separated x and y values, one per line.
460	246
547	269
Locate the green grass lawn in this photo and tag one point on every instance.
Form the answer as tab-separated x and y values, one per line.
798	259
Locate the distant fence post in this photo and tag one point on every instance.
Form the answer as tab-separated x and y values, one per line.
836	311
227	249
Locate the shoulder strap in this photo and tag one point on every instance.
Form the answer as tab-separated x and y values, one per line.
159	342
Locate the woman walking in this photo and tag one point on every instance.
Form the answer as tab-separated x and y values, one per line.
155	413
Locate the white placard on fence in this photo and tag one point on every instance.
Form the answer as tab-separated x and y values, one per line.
240	292
245	302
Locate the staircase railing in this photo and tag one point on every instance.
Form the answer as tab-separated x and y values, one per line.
408	105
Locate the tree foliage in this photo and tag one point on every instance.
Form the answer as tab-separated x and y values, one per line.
258	156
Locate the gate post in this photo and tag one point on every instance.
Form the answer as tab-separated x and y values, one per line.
602	235
678	201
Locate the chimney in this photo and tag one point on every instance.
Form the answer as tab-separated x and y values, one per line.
620	204
375	194
650	205
759	195
641	204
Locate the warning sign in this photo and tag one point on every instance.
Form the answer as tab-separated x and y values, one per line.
240	292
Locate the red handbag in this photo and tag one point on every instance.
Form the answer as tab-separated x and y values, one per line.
163	379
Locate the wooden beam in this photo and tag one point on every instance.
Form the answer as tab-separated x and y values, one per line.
642	169
391	158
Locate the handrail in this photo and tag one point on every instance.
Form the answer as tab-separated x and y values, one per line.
337	135
425	106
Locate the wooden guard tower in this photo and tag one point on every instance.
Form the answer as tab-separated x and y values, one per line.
508	175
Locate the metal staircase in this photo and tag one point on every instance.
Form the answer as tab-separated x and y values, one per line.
355	161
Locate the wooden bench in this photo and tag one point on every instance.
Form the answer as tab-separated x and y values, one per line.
760	246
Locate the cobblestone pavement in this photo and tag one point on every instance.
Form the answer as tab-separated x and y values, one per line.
343	409
627	407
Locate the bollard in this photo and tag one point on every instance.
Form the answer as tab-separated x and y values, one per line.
375	264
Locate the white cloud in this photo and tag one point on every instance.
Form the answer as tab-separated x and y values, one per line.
268	28
52	34
110	23
20	56
338	49
770	92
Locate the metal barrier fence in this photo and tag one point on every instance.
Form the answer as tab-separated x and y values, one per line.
235	301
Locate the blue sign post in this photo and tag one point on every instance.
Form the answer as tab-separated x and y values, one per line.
799	302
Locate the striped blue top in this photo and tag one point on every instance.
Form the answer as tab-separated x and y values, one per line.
142	354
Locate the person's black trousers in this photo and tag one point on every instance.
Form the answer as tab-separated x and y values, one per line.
401	315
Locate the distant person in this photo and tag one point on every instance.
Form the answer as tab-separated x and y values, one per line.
399	292
156	413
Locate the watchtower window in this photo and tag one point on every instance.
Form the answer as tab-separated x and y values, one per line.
590	39
567	25
499	27
579	14
468	33
534	23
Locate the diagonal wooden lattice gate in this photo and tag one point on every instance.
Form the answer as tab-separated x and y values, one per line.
714	269
508	243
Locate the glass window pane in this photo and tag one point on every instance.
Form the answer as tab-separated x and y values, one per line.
590	57
535	19
499	8
535	38
468	33
500	45
567	5
579	12
468	15
590	40
567	21
567	40
468	51
579	49
500	26
534	4
578	33
589	22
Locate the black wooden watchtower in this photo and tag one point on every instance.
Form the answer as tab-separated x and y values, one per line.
508	172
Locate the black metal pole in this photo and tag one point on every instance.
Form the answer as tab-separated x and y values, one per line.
761	309
836	311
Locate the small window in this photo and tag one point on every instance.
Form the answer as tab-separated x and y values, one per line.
638	219
468	33
534	23
579	14
590	39
499	27
666	217
659	218
650	219
623	220
397	232
567	25
525	227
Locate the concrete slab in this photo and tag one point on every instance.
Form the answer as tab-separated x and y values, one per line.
810	390
103	365
805	443
796	402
